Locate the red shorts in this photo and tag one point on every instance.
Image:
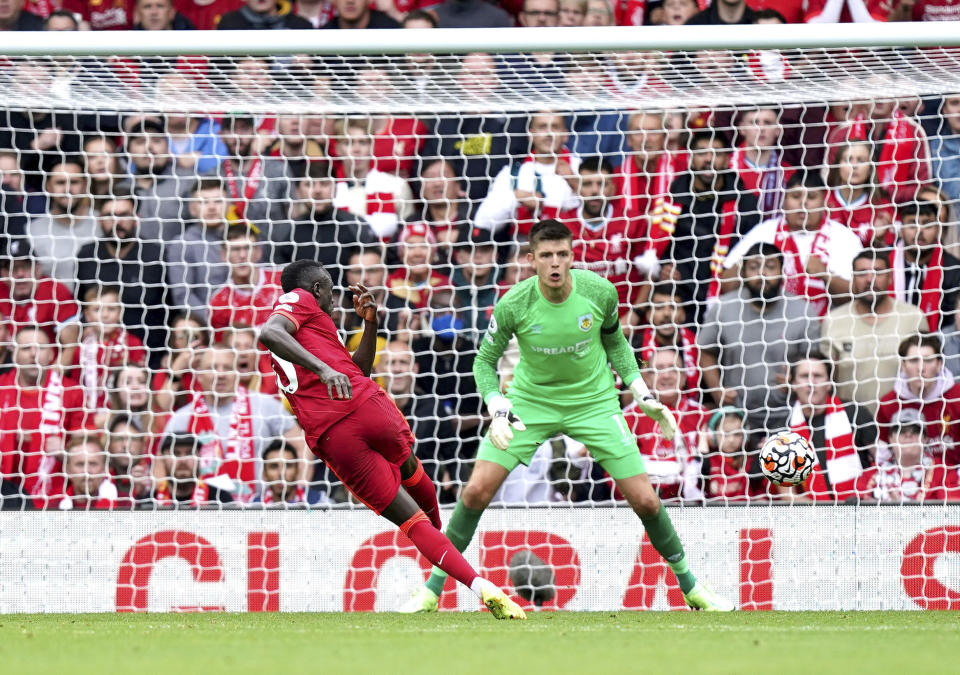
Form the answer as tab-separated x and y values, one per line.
366	448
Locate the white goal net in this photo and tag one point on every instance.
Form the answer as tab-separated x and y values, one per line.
780	224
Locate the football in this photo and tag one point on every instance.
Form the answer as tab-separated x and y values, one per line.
787	458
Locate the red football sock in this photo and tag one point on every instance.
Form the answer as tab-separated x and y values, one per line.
436	548
424	493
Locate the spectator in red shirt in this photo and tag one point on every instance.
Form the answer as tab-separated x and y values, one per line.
666	327
835	430
855	197
160	15
249	294
848	11
383	198
604	241
924	384
646	176
899	145
445	206
206	14
728	471
132	398
926	10
29	299
669	463
40	407
88	483
174	379
417	276
105	346
758	158
253	366
907	471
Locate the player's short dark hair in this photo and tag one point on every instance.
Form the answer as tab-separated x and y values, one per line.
302	274
812	180
918	340
549	230
917	209
595	164
872	255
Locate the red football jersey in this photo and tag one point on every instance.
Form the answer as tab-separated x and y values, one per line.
245	306
609	251
307	394
792	10
878	9
941	415
104	14
51	306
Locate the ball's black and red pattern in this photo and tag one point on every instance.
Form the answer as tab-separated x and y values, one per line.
787	458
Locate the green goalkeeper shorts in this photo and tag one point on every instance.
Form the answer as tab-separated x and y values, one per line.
601	427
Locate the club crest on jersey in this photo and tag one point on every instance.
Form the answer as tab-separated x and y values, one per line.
585	321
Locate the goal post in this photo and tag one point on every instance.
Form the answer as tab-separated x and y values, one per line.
154	184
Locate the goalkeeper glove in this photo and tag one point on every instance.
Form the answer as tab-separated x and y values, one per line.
653	408
501	432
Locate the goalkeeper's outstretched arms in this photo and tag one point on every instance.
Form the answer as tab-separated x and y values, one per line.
491	349
623	360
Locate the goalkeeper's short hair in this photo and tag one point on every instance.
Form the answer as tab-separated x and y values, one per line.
549	230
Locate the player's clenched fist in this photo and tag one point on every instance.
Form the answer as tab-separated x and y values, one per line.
363	303
336	382
504	422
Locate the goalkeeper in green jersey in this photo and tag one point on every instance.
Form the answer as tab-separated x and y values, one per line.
568	330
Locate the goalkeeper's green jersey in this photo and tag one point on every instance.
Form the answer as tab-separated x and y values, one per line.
564	347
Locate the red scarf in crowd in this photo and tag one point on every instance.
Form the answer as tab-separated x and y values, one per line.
843	463
662	212
240	199
931	290
51	425
96	357
898	154
688	348
236	462
796	281
728	225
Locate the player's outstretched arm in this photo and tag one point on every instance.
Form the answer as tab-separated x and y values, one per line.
366	308
277	336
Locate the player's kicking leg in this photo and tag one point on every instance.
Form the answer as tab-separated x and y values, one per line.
486	479
419	486
641	496
436	548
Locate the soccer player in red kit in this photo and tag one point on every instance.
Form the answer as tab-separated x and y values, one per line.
352	425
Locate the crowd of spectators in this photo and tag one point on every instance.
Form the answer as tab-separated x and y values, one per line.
777	266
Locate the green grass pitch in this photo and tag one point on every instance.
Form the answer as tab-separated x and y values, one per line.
584	643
